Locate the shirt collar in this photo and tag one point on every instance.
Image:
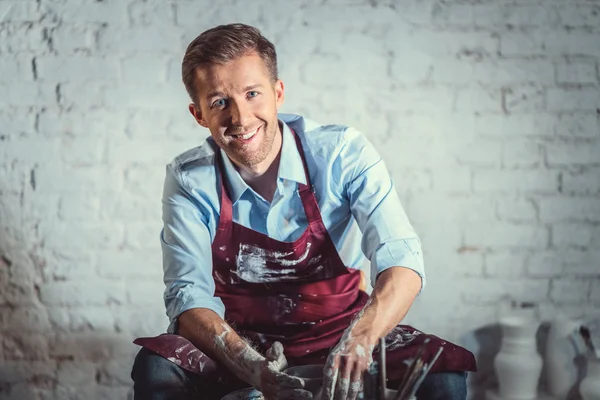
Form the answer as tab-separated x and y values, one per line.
290	167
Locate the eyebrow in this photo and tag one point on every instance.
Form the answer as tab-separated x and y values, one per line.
217	93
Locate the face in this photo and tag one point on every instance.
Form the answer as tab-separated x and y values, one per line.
238	103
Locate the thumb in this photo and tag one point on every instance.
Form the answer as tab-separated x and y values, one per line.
276	356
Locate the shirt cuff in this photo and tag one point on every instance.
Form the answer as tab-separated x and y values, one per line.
401	253
186	300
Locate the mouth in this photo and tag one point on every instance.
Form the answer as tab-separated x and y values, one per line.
246	136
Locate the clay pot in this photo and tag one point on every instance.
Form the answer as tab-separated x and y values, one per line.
244	394
590	385
560	354
518	364
311	374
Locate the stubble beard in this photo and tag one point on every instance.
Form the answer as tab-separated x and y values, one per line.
252	158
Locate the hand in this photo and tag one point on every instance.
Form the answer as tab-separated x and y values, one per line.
276	385
345	367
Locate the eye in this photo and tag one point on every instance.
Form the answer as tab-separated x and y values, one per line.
252	93
219	103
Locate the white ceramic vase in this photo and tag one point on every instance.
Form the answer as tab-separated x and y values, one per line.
590	385
518	364
561	370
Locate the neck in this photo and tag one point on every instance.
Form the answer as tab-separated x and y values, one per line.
262	177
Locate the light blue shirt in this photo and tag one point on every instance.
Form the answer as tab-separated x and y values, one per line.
356	196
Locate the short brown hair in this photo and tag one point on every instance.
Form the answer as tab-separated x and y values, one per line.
222	44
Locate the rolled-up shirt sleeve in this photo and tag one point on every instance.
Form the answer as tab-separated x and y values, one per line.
388	237
186	249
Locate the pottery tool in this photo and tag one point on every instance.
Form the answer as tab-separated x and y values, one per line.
587	339
382	370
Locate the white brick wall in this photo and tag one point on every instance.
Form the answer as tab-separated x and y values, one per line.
486	113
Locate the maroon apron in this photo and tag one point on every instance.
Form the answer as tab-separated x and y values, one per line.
298	293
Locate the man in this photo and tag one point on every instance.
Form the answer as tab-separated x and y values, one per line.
261	266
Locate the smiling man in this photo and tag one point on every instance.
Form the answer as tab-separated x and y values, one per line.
266	226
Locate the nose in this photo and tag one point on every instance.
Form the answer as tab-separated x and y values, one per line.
240	113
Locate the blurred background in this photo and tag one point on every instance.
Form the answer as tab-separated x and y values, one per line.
485	112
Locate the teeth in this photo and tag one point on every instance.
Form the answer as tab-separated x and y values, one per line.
248	135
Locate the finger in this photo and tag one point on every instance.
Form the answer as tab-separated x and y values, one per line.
356	382
343	382
296	394
329	380
275	351
289	381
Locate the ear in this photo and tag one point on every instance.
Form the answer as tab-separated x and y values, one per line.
197	114
279	93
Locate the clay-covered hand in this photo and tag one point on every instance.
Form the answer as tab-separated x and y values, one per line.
345	367
276	385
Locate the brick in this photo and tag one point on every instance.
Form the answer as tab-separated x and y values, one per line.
574	43
81	234
130	263
70	38
523	98
19	37
15	372
151	14
77	69
17	68
579	125
130	207
26	94
100	292
502	235
25	346
595	291
580	15
82	152
564	291
76	373
492	291
452	181
94	179
92	123
516	210
521	44
567	234
573	153
143	320
534	181
189	13
29	320
576	72
141	39
413	181
583	263
432	208
96	319
18	11
507	265
142	235
126	95
545	264
79	207
554	209
70	266
114	12
145	180
31	151
584	182
573	99
145	68
91	348
423	67
455	15
507	72
515	125
16	121
479	100
522	153
513	15
96	96
449	44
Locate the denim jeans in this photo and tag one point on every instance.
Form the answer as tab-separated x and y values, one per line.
156	378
